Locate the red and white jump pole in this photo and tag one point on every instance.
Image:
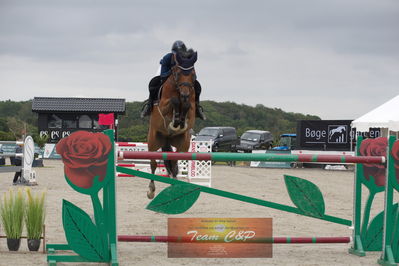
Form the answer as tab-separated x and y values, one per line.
274	240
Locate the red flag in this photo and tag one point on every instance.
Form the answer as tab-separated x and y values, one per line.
106	119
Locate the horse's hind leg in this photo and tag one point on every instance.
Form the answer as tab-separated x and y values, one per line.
174	169
151	186
153	145
151	190
182	144
171	165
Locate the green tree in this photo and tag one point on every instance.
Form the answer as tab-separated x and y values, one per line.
6	136
16	126
17	117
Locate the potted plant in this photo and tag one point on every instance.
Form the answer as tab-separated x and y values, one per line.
34	218
41	142
12	212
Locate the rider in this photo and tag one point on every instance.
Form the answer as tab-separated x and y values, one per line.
167	62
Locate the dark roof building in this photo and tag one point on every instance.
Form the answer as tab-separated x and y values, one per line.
59	117
71	104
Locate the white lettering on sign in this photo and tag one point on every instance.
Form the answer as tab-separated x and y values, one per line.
43	133
374	134
55	134
370	134
66	133
229	237
198	237
318	134
239	236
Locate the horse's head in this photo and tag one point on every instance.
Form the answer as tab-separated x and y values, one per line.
184	73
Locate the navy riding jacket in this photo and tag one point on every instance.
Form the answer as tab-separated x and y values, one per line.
167	63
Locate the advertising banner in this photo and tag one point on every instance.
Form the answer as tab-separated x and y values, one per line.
220	237
328	135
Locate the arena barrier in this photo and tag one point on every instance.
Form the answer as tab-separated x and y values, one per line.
197	172
28	176
380	234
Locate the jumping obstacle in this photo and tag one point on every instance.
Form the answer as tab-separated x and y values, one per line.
180	196
28	176
274	240
226	194
196	172
225	156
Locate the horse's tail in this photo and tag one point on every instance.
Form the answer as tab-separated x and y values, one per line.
170	165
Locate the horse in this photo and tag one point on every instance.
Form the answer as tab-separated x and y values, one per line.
174	115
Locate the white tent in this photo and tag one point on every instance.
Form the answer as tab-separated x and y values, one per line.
384	116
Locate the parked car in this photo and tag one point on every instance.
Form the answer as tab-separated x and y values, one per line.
287	142
224	138
2	159
255	140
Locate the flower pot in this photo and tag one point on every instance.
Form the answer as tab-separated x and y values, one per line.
13	244
37	163
33	244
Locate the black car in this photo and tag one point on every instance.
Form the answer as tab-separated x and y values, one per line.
224	138
255	140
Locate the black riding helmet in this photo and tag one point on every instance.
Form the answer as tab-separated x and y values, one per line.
178	46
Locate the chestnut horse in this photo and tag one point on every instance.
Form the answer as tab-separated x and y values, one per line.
174	116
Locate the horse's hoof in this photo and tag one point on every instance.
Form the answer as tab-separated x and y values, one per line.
150	194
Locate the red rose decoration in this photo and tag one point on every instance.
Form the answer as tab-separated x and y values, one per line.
374	147
85	156
395	155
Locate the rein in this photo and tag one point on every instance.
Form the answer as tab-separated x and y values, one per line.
163	118
176	77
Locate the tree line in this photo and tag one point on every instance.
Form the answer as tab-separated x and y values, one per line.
240	116
17	118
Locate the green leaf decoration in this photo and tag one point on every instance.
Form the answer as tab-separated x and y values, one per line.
82	235
305	195
372	240
175	199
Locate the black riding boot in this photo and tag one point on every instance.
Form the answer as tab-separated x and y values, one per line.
199	111
153	87
146	110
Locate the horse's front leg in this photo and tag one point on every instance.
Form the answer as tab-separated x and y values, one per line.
185	107
176	111
151	186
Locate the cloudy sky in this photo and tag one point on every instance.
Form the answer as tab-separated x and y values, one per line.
337	59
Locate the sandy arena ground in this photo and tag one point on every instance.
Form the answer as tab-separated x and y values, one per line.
266	184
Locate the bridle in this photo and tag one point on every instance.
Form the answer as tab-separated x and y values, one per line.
176	75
